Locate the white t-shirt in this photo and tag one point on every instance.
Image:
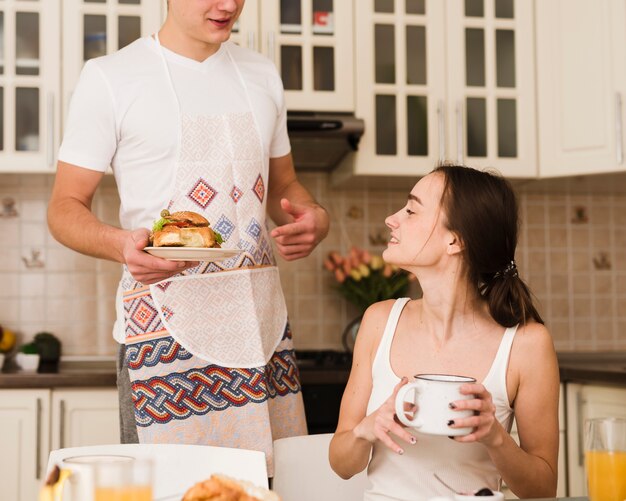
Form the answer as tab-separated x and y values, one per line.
123	113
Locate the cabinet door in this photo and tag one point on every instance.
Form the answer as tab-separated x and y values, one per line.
93	28
85	417
29	85
310	41
581	80
587	402
490	76
24	435
400	86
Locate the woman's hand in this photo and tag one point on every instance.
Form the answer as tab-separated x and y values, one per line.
383	421
487	429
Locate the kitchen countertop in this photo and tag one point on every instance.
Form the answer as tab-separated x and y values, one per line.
597	367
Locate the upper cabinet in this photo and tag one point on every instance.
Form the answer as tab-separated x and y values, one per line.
445	80
311	43
34	95
30	34
93	28
581	85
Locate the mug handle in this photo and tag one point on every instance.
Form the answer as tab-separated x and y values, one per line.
400	400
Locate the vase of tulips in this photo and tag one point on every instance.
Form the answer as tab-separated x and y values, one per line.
364	279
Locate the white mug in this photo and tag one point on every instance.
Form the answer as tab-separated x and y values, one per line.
77	476
432	395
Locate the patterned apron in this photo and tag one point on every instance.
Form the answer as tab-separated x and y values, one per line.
209	351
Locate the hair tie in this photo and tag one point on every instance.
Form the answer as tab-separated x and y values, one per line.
509	272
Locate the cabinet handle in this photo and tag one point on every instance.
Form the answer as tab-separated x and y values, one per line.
459	133
251	40
50	116
61	424
442	131
38	441
271	47
619	145
579	417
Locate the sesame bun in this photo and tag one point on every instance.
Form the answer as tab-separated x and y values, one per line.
189	216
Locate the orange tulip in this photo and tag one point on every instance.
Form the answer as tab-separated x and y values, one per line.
328	264
340	276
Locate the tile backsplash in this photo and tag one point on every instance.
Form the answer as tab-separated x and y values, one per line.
572	253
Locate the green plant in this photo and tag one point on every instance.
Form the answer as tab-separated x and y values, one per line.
28	348
364	279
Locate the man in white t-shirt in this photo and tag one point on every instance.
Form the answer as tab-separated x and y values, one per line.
190	121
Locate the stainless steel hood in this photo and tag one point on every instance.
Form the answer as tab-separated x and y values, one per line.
319	141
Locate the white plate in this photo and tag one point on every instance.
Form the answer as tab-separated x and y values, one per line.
192	253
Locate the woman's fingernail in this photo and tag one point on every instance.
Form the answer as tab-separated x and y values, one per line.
450	437
451	422
452	405
413	440
401	451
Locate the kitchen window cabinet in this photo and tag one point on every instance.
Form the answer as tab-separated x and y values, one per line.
581	84
30	34
586	401
33	91
32	422
444	80
311	43
93	28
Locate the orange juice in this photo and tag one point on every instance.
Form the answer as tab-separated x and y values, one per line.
127	493
606	475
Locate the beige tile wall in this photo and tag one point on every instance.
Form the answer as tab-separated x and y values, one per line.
572	252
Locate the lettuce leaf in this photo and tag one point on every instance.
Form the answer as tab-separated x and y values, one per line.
218	237
159	223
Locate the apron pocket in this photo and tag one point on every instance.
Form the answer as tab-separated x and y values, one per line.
234	319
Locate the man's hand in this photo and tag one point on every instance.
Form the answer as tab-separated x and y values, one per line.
145	268
298	238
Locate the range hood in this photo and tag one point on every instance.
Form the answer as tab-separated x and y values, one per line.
319	141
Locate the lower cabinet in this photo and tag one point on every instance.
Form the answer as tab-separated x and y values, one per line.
561	488
587	401
32	422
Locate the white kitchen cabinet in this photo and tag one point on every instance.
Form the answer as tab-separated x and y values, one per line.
37	74
581	82
84	417
30	34
25	439
586	401
33	422
561	488
93	28
311	43
444	80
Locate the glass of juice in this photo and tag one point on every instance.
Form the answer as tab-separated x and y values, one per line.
605	459
116	481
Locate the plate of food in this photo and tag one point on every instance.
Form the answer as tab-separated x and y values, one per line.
186	236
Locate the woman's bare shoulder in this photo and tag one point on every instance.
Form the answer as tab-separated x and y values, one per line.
374	322
533	343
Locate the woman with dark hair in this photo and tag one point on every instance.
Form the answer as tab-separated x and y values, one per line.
457	233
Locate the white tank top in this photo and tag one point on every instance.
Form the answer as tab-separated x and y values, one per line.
465	467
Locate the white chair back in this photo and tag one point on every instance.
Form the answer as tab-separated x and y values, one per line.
302	472
178	467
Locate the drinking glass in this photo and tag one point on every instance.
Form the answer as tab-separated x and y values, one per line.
605	459
115	481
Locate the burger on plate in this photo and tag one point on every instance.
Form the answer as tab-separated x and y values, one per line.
183	229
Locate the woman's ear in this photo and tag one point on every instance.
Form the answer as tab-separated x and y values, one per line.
455	245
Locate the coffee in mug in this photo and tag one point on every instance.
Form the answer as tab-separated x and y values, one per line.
432	395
